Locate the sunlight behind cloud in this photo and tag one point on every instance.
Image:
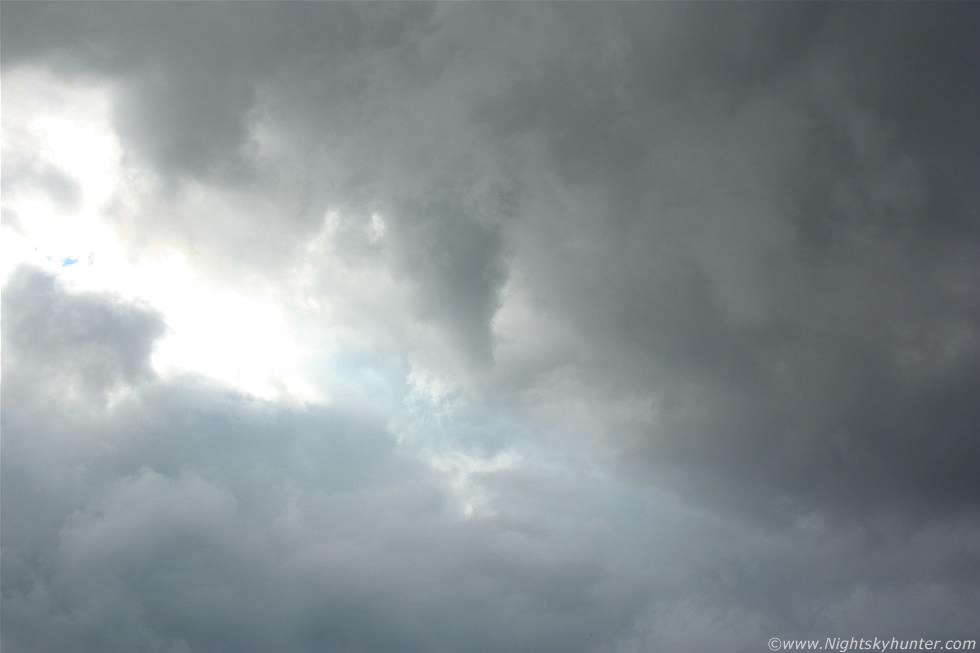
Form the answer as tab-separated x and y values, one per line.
225	335
211	331
75	147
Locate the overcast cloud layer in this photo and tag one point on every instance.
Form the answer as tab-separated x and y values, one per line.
487	327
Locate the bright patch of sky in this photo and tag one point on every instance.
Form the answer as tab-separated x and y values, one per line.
251	343
217	332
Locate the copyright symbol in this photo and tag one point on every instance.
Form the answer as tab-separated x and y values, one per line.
774	644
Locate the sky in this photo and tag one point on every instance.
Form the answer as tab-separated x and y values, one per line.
488	326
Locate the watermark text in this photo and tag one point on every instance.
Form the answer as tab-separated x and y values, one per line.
843	645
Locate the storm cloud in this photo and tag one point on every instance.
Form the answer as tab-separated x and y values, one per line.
610	327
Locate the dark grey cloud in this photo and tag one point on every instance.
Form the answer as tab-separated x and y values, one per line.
725	257
48	180
759	242
184	517
75	344
177	112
